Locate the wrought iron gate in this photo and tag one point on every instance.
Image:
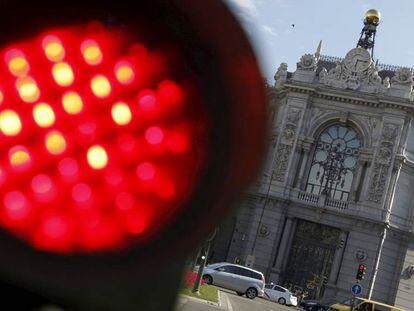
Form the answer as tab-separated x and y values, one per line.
310	258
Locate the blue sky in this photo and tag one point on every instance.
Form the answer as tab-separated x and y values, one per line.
337	23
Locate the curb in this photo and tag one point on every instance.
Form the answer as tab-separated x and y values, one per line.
200	300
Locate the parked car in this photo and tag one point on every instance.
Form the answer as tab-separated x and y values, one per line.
313	305
363	304
242	280
280	294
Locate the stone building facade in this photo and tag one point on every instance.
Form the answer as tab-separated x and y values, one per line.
337	188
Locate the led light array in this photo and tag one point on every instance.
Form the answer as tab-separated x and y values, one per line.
97	140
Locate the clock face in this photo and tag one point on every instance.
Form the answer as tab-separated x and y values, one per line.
357	60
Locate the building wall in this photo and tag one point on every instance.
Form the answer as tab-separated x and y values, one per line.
377	220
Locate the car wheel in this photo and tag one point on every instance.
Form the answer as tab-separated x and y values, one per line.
208	279
282	301
240	293
251	293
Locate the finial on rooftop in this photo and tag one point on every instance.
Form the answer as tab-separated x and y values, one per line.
372	19
318	50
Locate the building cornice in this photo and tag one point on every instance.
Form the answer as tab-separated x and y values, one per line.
349	97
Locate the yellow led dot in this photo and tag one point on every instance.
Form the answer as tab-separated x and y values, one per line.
97	157
121	113
43	115
53	48
28	90
63	74
10	123
100	86
72	102
55	142
19	66
91	52
19	156
124	73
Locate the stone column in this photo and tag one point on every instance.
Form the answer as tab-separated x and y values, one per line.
304	165
356	181
302	168
283	250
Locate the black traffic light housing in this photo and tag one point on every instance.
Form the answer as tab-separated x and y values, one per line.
361	272
220	55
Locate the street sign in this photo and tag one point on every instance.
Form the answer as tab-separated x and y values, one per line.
356	289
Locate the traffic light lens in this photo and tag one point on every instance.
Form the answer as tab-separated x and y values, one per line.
103	139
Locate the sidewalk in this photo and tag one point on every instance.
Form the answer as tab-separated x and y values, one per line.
185	301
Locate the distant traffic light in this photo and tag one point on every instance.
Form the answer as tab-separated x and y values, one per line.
325	280
360	272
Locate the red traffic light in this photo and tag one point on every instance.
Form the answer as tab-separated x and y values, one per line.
102	140
124	142
360	272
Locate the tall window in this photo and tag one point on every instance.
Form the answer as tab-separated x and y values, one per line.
334	162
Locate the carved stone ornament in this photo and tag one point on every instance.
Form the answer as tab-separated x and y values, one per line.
307	62
410	271
284	149
322	75
264	230
403	76
281	75
382	163
361	255
355	72
281	162
389	133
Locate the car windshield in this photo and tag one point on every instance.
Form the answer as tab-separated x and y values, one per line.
213	265
348	302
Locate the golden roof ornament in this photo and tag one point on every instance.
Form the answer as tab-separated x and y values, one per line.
372	17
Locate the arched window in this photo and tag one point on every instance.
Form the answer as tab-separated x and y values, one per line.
334	162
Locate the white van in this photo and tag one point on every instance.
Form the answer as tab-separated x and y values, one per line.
243	280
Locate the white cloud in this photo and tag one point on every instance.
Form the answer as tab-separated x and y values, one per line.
268	30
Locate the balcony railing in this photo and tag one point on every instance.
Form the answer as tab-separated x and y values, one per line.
318	200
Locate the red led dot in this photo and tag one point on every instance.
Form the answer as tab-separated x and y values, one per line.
127	143
166	189
146	171
81	192
124	201
41	184
170	93
68	167
16	205
113	177
147	101
178	143
135	223
55	227
154	135
87	128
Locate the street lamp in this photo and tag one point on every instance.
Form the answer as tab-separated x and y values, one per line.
333	170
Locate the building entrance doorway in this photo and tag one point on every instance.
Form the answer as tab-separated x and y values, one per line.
310	258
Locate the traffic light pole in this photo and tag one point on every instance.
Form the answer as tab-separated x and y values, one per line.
197	284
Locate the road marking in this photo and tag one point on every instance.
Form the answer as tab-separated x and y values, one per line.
226	300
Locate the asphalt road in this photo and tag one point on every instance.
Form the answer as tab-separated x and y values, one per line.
237	303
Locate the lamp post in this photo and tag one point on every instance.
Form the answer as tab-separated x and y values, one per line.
205	251
333	170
